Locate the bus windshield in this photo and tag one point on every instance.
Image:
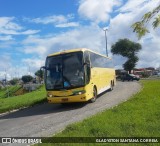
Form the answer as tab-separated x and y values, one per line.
64	71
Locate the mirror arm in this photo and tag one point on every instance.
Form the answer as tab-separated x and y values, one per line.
43	67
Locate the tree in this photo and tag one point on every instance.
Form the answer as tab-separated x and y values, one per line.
128	49
130	63
39	74
140	27
27	78
14	81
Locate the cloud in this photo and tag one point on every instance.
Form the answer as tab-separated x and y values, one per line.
56	20
29	32
131	5
27	66
149	55
131	12
51	19
33	61
38	48
120	27
5	44
70	24
6	23
6	38
13	32
32	64
97	10
82	37
5	63
9	27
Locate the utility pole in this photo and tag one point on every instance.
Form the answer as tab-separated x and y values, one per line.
6	82
105	30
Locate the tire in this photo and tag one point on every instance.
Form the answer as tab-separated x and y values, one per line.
93	99
111	87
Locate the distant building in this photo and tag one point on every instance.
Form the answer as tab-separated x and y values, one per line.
147	71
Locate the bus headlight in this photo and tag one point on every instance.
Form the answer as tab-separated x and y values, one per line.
50	95
79	92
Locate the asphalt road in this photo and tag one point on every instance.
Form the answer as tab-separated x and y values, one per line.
47	119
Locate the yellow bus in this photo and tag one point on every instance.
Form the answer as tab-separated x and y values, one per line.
77	75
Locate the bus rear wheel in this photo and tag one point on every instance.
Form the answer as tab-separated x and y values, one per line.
93	99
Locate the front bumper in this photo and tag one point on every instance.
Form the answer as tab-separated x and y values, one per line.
67	99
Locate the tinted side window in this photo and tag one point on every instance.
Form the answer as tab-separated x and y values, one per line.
100	61
95	60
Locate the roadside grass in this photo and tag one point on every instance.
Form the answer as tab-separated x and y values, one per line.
10	91
137	117
28	99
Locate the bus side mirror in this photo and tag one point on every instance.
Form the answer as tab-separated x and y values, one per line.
43	67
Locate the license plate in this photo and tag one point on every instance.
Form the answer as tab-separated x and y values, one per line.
65	99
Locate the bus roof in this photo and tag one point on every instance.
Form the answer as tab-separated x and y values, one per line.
76	50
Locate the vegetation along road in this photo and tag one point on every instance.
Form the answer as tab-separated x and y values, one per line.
47	119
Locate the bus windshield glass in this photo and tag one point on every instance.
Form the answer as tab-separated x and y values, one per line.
64	71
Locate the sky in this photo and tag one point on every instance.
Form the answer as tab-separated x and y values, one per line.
32	29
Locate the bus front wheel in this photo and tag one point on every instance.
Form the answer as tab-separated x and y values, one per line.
93	99
111	86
